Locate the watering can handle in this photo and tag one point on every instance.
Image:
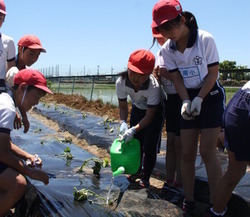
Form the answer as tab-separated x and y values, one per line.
122	145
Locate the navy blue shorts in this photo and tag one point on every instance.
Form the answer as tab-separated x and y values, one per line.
149	137
173	114
212	109
237	124
3	167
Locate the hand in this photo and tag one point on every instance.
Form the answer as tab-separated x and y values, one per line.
196	106
185	110
34	160
17	122
123	127
38	174
128	135
26	125
156	72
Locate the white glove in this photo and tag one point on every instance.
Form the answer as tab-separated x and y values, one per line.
123	127
128	135
196	106
185	110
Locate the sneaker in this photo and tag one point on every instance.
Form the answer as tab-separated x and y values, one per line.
167	187
210	213
189	207
135	176
144	184
178	197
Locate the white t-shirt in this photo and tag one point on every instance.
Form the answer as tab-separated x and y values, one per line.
193	63
7	112
149	95
246	87
167	85
7	53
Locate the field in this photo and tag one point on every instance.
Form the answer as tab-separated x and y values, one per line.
230	91
105	92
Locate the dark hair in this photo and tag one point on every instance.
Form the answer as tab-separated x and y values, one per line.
153	42
30	87
124	74
191	22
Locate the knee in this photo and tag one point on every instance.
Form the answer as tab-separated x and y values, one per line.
20	186
206	154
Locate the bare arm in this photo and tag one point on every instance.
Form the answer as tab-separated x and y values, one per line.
8	157
19	152
146	120
209	81
123	106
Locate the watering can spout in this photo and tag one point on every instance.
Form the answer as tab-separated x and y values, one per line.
119	171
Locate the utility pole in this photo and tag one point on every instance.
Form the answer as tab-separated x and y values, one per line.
98	66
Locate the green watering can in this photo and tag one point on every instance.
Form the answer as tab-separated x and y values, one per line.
125	157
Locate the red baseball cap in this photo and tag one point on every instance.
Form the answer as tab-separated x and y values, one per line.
32	42
2	7
165	10
141	61
32	77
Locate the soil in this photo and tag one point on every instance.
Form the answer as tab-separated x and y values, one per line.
95	107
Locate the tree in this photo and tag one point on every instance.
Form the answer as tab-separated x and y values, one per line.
231	65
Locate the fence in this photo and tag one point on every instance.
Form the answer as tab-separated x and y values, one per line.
68	70
102	86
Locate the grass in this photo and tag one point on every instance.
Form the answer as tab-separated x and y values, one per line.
230	91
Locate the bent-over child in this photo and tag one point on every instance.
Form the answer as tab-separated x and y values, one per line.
29	86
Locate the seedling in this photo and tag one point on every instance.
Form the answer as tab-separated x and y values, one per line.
83	194
65	140
37	130
67	154
84	115
98	165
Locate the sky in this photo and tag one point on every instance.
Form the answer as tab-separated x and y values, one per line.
99	35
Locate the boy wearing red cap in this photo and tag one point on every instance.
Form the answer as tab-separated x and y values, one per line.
147	113
7	50
29	86
29	49
192	59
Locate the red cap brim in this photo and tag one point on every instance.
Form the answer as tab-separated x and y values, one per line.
46	89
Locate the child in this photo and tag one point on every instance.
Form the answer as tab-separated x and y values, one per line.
7	50
29	87
192	59
146	118
29	49
172	109
237	138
